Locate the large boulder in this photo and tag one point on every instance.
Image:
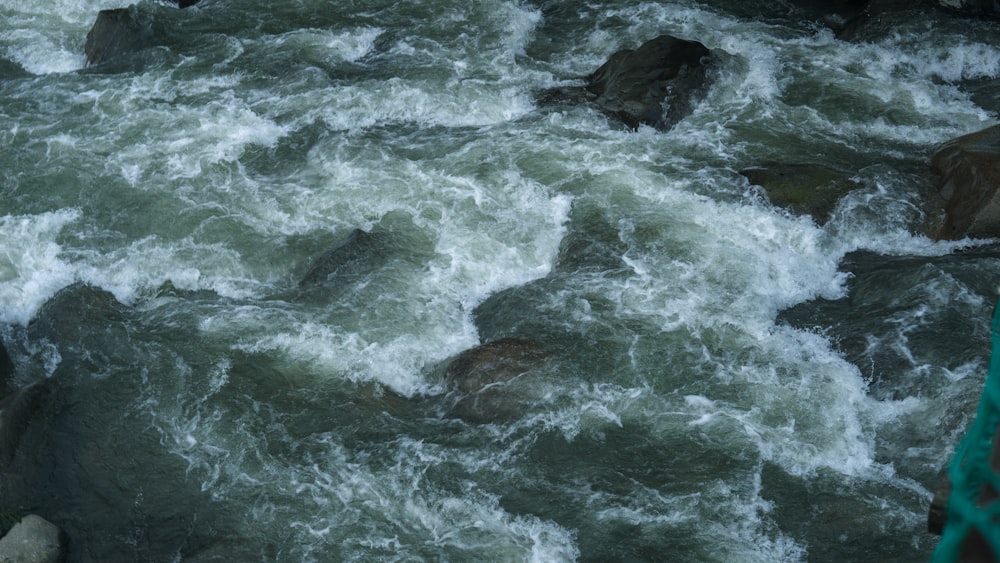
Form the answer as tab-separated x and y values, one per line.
657	84
116	32
33	540
969	171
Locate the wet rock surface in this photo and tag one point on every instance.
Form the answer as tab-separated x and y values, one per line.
33	540
969	172
656	84
116	32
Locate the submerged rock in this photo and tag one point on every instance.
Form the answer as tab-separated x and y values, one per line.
484	379
33	540
116	32
969	170
358	254
657	84
803	189
491	364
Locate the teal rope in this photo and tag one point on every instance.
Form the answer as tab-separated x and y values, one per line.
970	469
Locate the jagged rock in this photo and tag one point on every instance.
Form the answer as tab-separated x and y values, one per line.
657	84
16	411
33	540
484	379
969	170
116	32
803	189
359	254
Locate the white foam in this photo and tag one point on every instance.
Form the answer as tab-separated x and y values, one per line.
32	268
39	53
47	37
324	44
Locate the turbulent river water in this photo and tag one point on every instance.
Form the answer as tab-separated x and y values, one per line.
723	381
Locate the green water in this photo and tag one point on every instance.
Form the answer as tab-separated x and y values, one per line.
722	380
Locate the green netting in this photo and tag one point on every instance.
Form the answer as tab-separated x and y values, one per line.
970	470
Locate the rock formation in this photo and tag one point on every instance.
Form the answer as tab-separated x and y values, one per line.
657	84
969	170
116	32
33	540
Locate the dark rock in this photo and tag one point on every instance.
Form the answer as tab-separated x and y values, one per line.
984	92
115	33
74	312
16	411
969	170
803	189
33	540
485	379
359	254
657	84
